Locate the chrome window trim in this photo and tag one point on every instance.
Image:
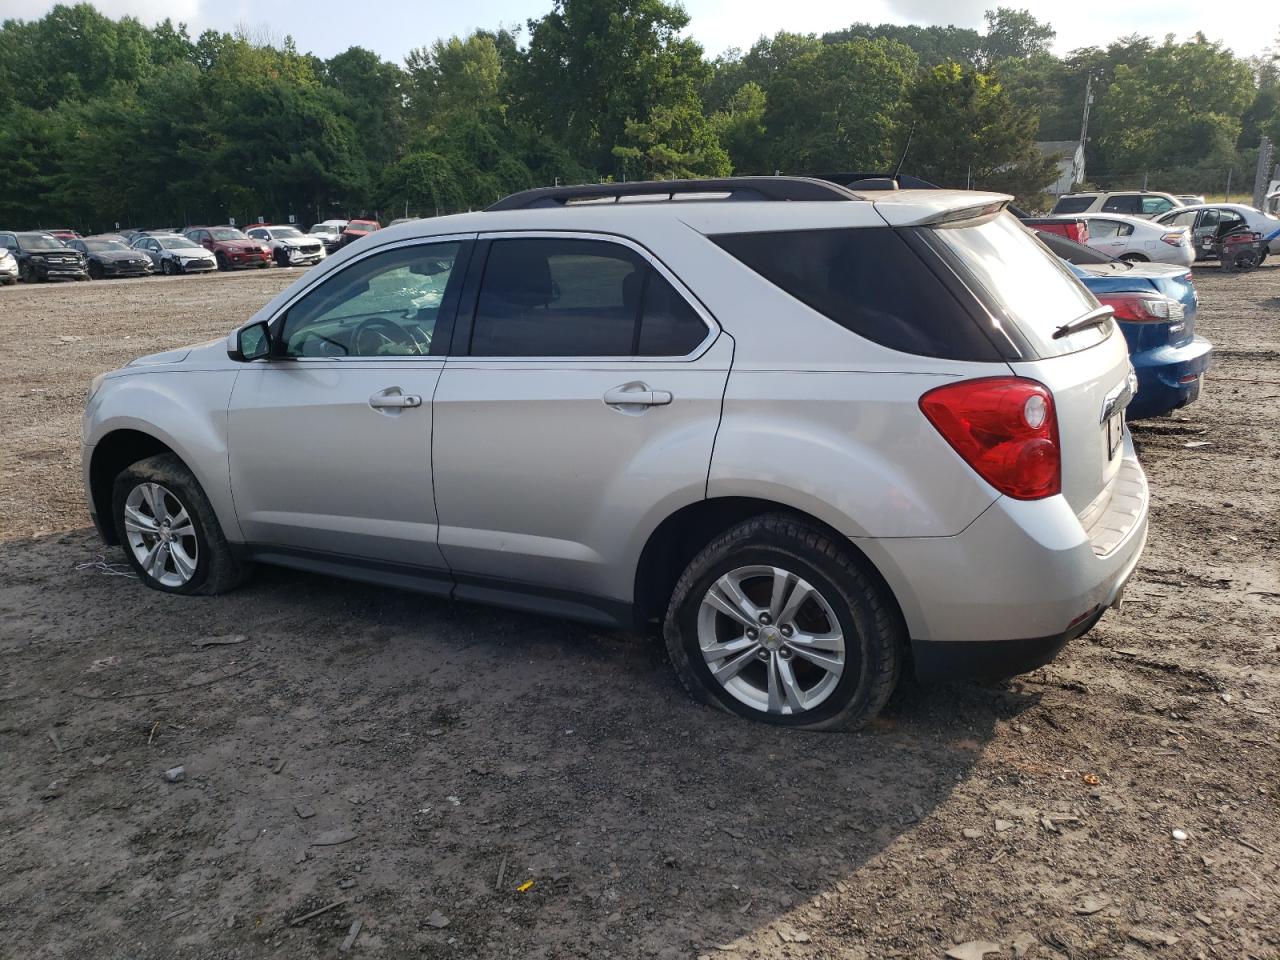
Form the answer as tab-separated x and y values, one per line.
708	319
278	316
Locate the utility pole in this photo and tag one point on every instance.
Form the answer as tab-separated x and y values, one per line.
1084	124
1227	199
1266	152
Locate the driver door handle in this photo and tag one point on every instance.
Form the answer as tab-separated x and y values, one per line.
636	394
383	401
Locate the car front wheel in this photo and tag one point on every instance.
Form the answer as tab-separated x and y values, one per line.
776	621
169	531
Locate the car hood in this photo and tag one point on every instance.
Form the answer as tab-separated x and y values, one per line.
196	354
185	252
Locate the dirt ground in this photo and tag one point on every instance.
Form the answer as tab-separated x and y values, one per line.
465	782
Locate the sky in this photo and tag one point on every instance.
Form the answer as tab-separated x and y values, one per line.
393	27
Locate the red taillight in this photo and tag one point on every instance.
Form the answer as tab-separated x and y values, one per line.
1003	427
1143	307
1174	239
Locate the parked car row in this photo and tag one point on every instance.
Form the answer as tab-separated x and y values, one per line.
39	255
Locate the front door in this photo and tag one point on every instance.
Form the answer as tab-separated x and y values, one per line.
579	408
330	440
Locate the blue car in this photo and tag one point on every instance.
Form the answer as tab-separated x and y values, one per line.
1156	306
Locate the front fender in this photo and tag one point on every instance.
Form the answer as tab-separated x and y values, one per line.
186	411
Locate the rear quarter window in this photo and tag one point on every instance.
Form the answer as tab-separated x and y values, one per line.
869	281
1073	204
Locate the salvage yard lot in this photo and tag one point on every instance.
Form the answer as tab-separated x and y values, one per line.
468	782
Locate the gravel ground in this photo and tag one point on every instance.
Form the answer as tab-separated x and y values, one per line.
465	782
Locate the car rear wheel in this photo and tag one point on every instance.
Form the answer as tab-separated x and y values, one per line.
169	531
776	621
1133	258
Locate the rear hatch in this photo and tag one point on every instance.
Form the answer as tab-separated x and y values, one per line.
1033	294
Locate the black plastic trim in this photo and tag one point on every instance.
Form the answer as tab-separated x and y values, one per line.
940	661
739	188
492	591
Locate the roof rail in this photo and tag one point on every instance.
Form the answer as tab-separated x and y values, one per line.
737	188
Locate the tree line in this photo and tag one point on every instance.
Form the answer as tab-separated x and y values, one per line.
108	121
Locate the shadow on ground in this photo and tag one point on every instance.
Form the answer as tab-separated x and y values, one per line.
466	781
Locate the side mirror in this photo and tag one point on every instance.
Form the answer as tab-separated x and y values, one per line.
252	343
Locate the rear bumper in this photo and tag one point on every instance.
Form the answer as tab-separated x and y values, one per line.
1019	583
940	661
1169	377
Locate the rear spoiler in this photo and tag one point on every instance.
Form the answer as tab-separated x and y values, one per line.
975	212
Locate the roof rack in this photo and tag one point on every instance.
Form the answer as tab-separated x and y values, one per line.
735	188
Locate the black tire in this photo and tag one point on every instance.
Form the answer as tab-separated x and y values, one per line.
875	637
166	267
28	273
217	567
95	271
281	257
1133	258
223	263
10	281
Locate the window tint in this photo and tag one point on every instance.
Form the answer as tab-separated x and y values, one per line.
869	281
1103	229
1187	219
546	297
1209	218
1123	204
385	305
1153	205
1073	204
669	327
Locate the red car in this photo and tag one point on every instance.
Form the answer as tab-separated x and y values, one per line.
356	229
230	247
65	234
1069	227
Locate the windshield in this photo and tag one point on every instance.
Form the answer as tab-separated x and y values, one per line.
40	241
362	225
105	245
1025	282
226	233
285	233
321	228
177	243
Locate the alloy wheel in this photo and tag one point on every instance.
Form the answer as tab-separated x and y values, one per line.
161	534
771	640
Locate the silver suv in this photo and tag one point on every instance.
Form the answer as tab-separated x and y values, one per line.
816	436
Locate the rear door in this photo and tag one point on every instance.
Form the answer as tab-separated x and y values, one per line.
578	407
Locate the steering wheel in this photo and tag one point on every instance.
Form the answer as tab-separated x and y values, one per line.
372	334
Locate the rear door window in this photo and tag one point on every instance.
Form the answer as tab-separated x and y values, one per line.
571	297
1073	204
1126	203
1023	282
1151	206
869	281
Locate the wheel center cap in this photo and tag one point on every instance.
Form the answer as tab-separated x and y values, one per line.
770	638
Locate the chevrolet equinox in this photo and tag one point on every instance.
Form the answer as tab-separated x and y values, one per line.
816	436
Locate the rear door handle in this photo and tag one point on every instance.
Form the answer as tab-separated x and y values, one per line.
636	394
385	400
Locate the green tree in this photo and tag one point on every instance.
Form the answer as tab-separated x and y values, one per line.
932	44
969	133
672	143
1014	34
741	130
1179	104
593	66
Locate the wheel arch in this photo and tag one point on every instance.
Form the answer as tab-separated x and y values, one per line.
679	538
112	454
